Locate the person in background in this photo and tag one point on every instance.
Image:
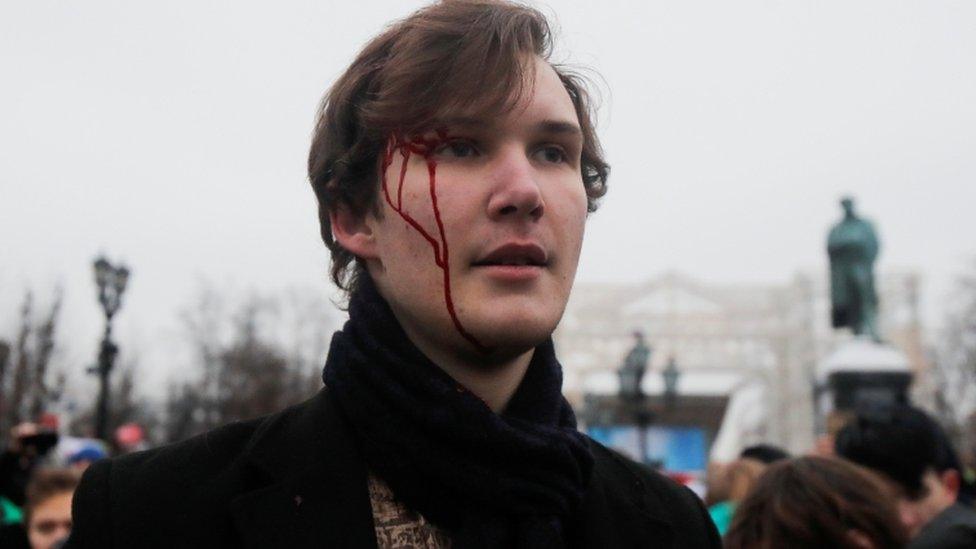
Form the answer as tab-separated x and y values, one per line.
47	511
967	493
740	475
12	533
28	446
766	453
816	503
948	459
80	460
716	483
914	455
729	484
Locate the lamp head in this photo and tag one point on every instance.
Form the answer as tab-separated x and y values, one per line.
103	271
121	278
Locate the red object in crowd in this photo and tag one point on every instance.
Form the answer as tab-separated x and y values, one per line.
48	421
129	434
681	477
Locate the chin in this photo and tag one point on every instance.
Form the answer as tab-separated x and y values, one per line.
515	333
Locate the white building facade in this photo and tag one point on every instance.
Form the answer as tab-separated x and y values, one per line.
758	345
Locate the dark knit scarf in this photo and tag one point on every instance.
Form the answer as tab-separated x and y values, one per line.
492	480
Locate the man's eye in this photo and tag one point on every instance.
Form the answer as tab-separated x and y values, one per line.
458	149
552	154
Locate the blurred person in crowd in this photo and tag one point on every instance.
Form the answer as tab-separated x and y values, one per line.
717	483
765	453
948	460
47	513
80	460
28	445
455	167
12	533
740	476
816	503
835	421
967	462
915	456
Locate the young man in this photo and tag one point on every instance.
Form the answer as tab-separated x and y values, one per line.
454	168
914	455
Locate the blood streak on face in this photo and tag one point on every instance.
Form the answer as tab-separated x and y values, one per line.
425	148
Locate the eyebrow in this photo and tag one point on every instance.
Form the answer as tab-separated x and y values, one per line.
548	126
559	127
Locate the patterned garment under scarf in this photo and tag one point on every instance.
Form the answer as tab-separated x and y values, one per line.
398	527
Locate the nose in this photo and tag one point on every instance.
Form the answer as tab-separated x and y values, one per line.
515	191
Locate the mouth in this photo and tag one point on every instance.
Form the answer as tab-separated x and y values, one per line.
527	255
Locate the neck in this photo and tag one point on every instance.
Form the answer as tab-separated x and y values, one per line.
495	384
492	377
492	380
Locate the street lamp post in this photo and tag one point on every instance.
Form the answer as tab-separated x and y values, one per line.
111	281
671	375
631	394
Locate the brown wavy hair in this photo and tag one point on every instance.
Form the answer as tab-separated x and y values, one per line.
815	502
45	484
452	56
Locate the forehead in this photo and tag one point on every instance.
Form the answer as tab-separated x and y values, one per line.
58	503
544	103
548	94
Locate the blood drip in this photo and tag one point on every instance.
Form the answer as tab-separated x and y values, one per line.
425	148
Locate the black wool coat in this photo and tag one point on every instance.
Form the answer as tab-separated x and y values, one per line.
294	479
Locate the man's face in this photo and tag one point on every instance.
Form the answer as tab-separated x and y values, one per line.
915	513
486	272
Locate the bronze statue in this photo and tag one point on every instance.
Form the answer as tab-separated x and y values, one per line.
853	247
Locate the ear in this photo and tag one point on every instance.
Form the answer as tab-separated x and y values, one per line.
951	479
354	233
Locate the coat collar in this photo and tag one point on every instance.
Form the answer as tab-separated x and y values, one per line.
617	510
308	487
309	483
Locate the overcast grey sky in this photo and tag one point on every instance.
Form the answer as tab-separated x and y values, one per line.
174	135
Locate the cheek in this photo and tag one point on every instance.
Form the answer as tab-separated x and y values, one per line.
908	514
572	222
578	199
404	251
930	508
568	230
416	204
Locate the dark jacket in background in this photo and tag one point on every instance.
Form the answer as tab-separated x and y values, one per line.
294	479
954	528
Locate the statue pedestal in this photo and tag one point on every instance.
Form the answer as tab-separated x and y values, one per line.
862	372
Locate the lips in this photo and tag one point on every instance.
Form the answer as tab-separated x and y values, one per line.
515	254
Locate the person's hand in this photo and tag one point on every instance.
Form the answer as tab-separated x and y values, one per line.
19	432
